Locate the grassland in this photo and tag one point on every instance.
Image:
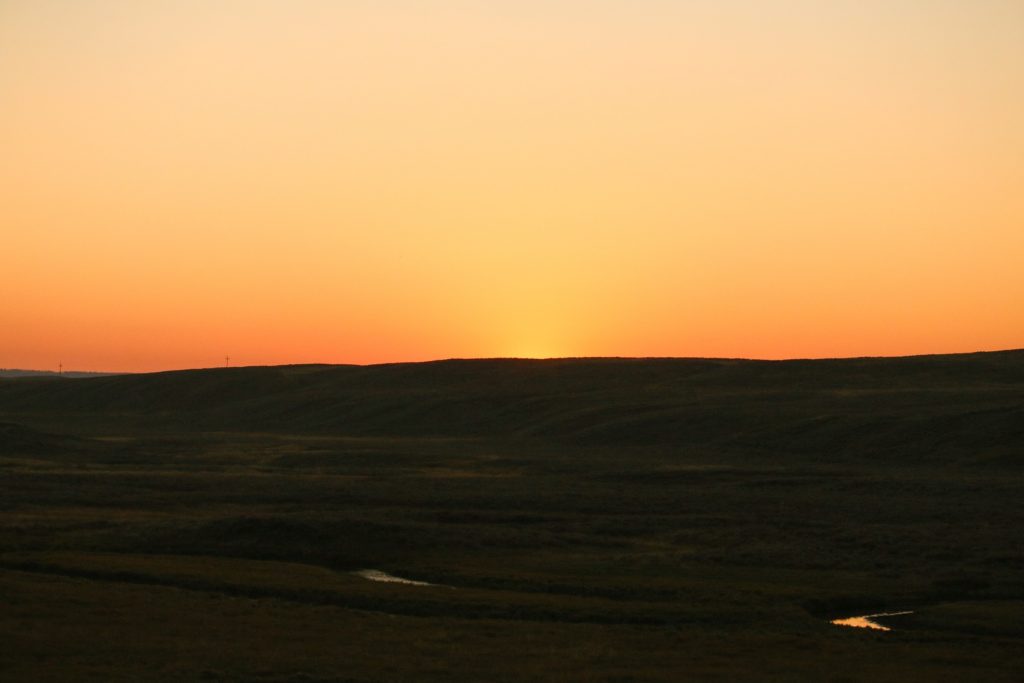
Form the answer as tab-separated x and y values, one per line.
590	520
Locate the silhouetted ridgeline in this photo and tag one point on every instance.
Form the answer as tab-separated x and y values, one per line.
67	374
971	404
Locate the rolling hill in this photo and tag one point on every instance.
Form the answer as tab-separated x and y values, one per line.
965	406
577	519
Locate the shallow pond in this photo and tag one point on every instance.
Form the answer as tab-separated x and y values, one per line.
383	577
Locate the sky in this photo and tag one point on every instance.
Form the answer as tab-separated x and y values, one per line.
290	181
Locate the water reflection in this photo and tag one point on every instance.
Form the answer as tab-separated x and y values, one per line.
377	575
866	621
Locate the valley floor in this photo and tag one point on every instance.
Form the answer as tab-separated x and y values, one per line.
233	557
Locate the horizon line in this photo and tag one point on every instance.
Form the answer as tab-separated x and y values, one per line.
516	358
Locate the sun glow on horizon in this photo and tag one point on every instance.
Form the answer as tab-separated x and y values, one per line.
370	182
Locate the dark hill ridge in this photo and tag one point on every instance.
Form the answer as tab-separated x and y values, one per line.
927	404
50	374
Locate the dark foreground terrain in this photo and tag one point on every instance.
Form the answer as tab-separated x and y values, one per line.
583	520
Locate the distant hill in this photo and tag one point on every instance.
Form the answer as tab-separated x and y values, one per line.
71	374
917	406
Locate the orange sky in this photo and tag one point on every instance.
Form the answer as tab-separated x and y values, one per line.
365	181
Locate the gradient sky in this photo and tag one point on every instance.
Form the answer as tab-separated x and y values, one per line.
383	180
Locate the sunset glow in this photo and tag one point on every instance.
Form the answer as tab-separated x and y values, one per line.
354	182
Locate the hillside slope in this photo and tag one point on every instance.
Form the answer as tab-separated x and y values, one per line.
918	405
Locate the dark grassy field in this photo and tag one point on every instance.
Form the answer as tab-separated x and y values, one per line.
584	520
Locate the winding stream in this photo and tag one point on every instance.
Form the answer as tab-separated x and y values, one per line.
866	621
